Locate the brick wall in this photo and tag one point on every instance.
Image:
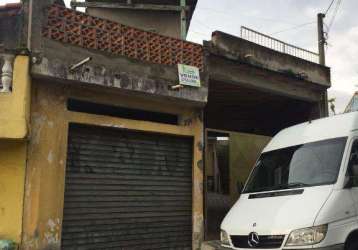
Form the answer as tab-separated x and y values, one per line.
77	28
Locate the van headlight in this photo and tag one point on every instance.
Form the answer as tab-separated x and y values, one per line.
307	236
225	238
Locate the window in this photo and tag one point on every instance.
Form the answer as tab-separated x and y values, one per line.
353	165
309	164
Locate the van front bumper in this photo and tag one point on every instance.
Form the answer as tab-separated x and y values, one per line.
216	245
335	247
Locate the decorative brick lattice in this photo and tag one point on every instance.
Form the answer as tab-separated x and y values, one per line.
69	26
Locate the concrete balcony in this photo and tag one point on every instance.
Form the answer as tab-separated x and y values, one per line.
14	96
244	51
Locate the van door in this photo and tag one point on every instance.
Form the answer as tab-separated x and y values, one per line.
352	173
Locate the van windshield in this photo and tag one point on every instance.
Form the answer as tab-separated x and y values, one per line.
310	164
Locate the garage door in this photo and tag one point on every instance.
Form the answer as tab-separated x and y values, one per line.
127	190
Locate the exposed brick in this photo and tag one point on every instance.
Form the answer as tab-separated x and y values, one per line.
72	28
104	42
68	26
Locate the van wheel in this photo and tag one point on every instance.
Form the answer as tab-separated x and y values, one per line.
352	245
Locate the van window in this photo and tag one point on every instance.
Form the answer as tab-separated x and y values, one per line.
303	165
353	164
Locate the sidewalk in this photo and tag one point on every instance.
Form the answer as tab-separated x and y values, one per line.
213	245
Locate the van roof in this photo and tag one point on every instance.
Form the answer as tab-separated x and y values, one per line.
316	130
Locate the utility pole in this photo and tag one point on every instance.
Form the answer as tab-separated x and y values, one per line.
183	20
322	59
321	39
73	4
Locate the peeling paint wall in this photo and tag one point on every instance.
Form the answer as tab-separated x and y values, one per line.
15	105
116	72
14	122
12	179
48	145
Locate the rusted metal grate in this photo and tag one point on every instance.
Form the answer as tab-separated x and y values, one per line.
275	44
69	26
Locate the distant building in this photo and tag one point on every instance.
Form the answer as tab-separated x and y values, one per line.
353	104
166	17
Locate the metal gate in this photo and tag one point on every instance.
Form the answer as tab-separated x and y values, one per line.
127	190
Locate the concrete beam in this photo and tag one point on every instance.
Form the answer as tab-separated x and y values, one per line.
118	73
241	50
249	76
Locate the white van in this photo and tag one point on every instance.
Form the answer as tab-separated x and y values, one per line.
303	191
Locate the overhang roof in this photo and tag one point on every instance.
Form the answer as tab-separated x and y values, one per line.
190	3
10	9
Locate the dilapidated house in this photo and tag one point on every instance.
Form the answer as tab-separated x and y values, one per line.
254	92
103	148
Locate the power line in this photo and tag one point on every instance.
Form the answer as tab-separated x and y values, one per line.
329	7
259	18
339	2
203	24
329	26
199	33
292	28
228	15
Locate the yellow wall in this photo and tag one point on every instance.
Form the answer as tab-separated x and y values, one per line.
12	178
14	120
15	106
47	153
244	149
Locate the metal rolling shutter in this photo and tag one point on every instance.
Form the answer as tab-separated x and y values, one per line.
127	190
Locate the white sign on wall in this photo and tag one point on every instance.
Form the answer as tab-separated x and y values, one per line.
189	75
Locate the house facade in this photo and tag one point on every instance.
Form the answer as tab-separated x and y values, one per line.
102	147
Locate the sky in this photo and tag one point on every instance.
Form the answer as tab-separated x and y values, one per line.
283	19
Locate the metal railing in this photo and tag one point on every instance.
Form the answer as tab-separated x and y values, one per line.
278	45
